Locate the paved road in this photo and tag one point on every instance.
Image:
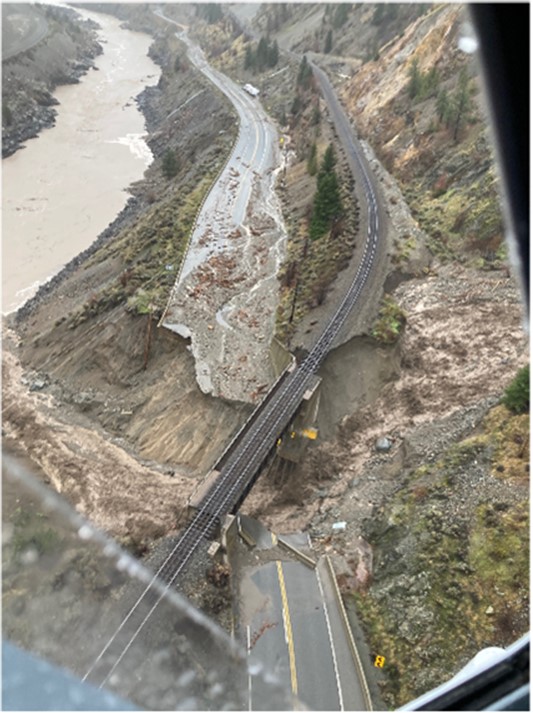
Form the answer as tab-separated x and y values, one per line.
22	29
253	157
296	631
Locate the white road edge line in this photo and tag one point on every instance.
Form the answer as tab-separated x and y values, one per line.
248	643
332	645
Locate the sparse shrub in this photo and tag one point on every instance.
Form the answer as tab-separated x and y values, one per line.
516	396
7	115
390	322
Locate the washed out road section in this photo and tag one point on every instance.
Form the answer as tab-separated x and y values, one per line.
226	294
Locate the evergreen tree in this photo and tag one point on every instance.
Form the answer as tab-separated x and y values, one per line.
415	79
328	160
328	46
212	12
7	115
315	117
305	74
443	106
461	103
430	82
261	54
327	204
249	58
273	54
340	15
312	164
170	166
296	105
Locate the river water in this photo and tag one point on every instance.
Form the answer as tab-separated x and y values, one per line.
70	182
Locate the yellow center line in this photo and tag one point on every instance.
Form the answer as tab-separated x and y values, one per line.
288	629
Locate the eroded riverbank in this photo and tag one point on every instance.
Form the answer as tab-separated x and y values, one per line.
69	183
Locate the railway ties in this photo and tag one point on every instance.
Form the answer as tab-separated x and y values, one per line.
240	465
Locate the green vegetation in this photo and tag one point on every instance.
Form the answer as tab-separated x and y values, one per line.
462	580
170	165
312	161
210	11
390	322
31	534
327	204
422	84
516	396
384	12
461	212
305	74
328	45
312	265
151	252
340	15
263	56
7	115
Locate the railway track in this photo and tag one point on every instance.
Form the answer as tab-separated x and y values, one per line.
242	463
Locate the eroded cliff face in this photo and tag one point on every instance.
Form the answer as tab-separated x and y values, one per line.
442	506
420	104
432	391
64	50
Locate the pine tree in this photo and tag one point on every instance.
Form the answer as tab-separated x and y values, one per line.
443	106
312	163
328	46
262	54
304	74
415	79
249	58
328	160
273	54
327	204
170	166
340	15
461	103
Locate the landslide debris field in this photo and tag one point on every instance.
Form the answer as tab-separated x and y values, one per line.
416	452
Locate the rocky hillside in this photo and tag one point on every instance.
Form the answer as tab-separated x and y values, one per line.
417	456
65	51
429	472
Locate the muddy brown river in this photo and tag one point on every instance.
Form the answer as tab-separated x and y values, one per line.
71	181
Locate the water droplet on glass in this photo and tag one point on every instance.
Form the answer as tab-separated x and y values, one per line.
7	532
29	556
468	41
255	668
186	678
122	563
110	550
85	532
216	690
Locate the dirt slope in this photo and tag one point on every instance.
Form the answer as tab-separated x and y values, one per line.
429	390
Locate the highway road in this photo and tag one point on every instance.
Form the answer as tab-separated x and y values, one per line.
305	659
22	29
253	157
296	631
